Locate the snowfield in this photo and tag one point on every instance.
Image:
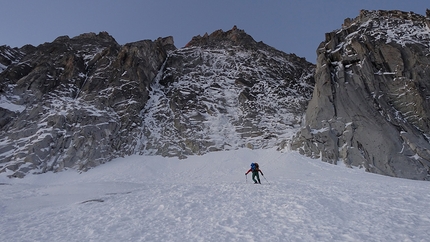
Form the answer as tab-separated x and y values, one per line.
209	198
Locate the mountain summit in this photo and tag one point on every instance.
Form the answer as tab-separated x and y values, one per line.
235	36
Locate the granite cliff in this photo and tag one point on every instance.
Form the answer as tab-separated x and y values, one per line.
79	102
370	107
225	91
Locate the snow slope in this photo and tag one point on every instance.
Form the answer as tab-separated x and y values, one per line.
207	198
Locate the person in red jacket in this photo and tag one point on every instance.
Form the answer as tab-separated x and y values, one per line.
255	169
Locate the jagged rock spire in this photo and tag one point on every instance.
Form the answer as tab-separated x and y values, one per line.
233	36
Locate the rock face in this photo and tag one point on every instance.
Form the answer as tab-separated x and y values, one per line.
370	107
79	102
74	102
225	91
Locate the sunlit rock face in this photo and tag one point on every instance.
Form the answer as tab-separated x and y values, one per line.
371	107
79	102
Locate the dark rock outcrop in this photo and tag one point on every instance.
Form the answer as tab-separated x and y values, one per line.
233	37
79	102
8	56
370	107
75	102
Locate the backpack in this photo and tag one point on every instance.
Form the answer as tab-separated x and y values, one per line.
254	166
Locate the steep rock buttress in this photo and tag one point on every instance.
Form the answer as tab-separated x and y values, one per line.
371	103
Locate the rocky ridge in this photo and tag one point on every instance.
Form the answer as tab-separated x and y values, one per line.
370	107
79	102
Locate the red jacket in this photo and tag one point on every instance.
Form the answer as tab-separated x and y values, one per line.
257	170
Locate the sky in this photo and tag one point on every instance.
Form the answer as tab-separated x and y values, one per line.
293	26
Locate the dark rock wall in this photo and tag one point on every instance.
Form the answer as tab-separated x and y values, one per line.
370	106
79	102
75	102
226	91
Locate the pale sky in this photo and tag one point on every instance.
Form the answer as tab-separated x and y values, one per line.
293	26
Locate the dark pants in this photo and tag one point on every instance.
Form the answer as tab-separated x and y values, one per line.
255	174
